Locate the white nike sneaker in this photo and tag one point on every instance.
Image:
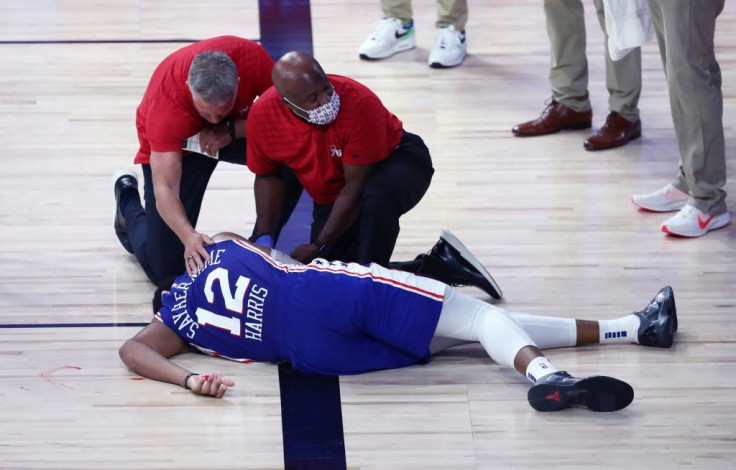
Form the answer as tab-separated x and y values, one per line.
691	222
449	48
667	199
391	36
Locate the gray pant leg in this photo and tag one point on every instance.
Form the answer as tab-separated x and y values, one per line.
687	29
623	77
400	9
452	12
568	75
449	12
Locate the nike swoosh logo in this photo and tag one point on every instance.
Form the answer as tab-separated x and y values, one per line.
704	223
399	36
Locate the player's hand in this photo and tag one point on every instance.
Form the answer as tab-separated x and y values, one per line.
305	253
213	138
195	253
211	385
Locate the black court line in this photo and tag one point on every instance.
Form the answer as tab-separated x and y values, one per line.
100	41
69	325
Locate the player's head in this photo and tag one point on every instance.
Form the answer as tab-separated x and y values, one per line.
213	81
305	89
163	287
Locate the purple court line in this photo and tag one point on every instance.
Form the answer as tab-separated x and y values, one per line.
311	410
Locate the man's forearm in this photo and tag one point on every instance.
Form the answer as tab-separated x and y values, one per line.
343	214
239	126
269	196
172	212
149	363
345	209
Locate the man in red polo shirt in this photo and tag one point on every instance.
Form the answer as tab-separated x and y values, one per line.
203	90
355	160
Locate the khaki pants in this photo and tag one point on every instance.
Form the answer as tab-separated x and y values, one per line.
568	75
685	30
449	12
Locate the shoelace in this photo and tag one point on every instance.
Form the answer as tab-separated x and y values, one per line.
384	26
671	192
688	212
550	103
663	191
445	37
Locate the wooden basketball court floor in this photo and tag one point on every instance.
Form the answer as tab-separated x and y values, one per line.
552	222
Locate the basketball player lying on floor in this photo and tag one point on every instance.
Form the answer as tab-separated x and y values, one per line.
336	318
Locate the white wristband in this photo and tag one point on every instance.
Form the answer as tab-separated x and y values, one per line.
283	258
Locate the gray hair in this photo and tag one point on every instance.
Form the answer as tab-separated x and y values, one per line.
213	76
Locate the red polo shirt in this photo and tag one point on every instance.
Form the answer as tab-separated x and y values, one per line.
167	116
364	132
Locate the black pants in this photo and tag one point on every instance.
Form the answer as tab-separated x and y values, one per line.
397	185
156	247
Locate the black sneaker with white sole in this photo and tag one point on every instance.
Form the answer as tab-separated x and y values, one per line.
462	268
598	393
450	262
124	180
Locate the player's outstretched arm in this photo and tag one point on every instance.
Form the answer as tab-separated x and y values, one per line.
148	353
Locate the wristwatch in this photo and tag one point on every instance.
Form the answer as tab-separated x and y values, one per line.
230	123
321	246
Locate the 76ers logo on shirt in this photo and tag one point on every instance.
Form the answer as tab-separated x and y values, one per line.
335	152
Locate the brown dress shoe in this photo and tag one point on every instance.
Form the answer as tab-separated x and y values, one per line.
617	131
554	118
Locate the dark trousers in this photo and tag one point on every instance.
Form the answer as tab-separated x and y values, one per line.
397	185
156	247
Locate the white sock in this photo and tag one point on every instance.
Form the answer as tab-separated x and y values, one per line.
538	368
620	330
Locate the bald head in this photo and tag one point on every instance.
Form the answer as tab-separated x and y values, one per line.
296	75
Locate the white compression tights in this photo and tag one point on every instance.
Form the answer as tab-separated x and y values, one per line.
465	319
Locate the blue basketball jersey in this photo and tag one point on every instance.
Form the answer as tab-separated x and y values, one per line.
231	308
325	317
